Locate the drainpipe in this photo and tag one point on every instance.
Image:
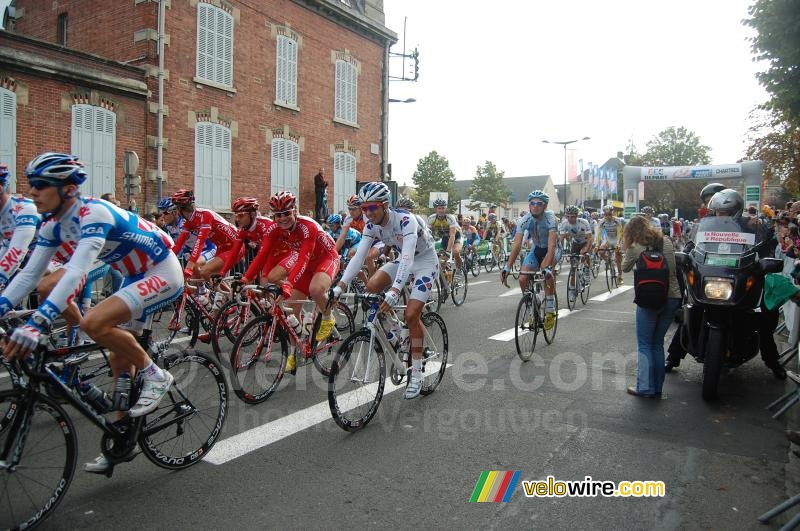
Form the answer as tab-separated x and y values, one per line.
160	114
385	114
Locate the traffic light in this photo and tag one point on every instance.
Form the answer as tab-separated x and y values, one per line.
133	185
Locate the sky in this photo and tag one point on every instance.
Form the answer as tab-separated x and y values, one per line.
496	78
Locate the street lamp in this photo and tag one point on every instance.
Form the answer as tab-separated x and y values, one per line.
565	144
407	100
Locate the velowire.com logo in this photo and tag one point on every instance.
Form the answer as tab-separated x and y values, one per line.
495	486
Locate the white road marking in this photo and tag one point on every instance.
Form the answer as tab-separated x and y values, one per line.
272	432
508	335
512	291
604	320
607	295
478	282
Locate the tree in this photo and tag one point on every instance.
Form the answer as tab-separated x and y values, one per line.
434	175
777	41
674	147
776	142
488	187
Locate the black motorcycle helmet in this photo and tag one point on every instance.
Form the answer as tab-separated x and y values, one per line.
709	190
726	202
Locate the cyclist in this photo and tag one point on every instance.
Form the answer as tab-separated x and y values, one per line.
471	236
133	246
417	257
313	268
172	223
406	203
542	229
19	221
649	215
580	233
609	233
494	232
355	220
446	230
344	246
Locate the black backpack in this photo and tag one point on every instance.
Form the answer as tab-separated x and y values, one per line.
651	277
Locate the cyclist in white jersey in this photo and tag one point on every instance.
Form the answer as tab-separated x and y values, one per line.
135	247
609	234
19	221
408	233
579	231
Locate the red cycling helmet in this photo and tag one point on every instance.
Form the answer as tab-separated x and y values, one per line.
245	204
282	201
353	201
183	197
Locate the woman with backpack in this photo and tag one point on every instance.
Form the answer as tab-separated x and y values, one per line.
658	296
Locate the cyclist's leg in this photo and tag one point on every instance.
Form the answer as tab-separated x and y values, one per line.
457	253
372	255
531	263
424	269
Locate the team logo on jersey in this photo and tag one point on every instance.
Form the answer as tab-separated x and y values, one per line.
11	259
423	284
150	285
84	211
16	209
404	222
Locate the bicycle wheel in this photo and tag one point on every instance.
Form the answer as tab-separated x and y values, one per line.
326	350
489	261
33	490
227	325
525	329
168	336
256	365
434	297
595	265
189	420
435	348
458	289
586	283
474	264
550	335
615	275
609	275
572	288
355	386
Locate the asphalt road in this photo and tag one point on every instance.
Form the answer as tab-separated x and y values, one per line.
564	414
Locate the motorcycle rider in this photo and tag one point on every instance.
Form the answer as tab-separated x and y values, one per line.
728	202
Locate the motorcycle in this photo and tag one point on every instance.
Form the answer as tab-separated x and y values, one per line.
723	279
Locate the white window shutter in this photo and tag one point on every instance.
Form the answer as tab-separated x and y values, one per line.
344	179
291	72
221	199
226	52
205	59
340	90
203	164
102	176
280	70
277	173
214	44
8	134
293	168
353	100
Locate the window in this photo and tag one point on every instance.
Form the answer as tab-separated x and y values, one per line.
346	92
286	72
8	133
285	166
212	166
94	141
61	29
214	45
344	179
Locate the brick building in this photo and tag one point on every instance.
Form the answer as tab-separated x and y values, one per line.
257	96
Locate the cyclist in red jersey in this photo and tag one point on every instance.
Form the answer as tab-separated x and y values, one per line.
313	267
251	231
206	224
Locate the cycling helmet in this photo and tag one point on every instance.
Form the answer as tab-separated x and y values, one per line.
56	169
166	205
282	201
183	197
608	209
726	201
439	202
492	216
407	203
572	210
4	175
709	190
245	204
663	217
353	201
538	194
334	219
374	192
648	210
466	219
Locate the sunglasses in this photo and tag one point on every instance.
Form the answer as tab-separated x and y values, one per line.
372	207
354	209
537	203
39	185
282	214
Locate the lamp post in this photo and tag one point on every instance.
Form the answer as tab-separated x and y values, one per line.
565	143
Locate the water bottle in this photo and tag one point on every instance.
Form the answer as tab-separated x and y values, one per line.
393	334
308	323
294	323
404	339
122	393
94	397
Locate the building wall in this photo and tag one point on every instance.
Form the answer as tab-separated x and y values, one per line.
109	29
45	99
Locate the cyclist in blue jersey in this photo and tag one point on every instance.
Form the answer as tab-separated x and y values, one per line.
347	246
99	231
541	227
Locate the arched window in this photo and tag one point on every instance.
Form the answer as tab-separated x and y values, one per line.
214	44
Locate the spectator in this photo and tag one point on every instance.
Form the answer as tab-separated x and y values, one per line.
320	194
651	323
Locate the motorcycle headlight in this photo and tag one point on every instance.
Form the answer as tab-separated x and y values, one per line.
719	289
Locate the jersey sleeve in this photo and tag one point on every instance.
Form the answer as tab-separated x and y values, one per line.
22	284
25	224
202	236
355	263
264	250
408	226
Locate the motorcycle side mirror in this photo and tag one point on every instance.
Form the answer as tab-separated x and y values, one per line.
771	265
680	259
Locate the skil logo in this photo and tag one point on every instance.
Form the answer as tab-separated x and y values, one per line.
150	285
10	259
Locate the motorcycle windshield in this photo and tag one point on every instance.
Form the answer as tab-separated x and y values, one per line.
722	238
